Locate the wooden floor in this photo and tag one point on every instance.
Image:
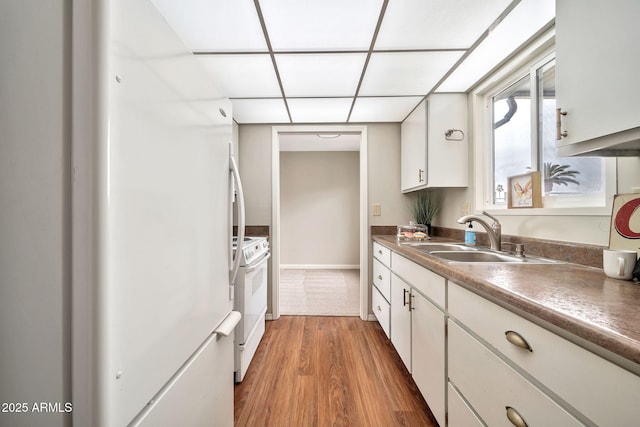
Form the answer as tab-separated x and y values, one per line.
328	371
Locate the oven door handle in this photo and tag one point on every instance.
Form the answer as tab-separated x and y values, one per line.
253	267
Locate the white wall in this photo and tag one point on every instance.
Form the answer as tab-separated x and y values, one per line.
319	203
255	171
384	176
383	170
34	209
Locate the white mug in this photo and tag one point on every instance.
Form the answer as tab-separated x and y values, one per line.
618	264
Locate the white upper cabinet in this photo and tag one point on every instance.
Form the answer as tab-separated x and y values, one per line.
434	144
597	77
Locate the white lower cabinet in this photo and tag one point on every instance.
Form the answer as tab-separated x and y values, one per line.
416	322
602	392
460	413
381	309
382	279
401	319
500	395
479	364
428	353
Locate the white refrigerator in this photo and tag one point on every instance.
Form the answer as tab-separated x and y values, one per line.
153	311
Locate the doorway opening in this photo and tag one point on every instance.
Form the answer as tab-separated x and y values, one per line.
319	238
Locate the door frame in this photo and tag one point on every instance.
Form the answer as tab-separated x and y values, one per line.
275	210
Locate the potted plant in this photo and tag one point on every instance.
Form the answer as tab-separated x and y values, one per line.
558	174
426	205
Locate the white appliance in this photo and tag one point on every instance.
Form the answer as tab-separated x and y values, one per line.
250	299
154	322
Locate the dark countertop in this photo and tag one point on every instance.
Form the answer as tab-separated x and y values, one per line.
579	300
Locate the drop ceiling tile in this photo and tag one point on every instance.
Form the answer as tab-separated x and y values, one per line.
383	109
215	25
320	74
321	25
526	19
319	110
406	73
243	76
436	24
247	111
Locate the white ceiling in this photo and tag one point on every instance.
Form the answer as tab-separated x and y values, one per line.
355	61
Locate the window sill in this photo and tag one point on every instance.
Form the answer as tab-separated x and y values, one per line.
589	211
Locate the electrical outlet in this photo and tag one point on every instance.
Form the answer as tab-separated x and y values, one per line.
376	209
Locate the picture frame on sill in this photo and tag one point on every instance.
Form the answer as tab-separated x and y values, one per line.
524	191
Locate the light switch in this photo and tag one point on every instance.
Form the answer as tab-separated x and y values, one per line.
376	209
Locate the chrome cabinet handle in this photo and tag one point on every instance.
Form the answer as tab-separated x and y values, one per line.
379	308
380	251
411	304
559	133
379	276
517	340
420	175
515	418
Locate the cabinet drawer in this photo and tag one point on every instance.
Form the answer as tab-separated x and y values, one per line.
599	389
380	308
382	279
460	414
382	254
425	281
491	386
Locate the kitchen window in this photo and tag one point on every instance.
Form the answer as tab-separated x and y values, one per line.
520	129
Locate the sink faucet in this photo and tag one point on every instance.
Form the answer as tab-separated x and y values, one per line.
494	230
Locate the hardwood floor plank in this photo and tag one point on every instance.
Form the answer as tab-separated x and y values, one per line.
334	401
307	357
328	371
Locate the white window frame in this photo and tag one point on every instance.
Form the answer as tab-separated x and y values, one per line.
515	69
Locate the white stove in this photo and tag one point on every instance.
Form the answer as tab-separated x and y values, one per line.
250	300
254	248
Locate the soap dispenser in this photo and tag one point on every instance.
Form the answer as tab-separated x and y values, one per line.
470	236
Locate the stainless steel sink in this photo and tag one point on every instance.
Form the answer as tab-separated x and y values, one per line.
432	247
482	256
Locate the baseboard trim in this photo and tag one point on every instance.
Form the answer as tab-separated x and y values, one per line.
370	317
319	267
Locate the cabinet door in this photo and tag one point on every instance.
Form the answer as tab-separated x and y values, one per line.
447	157
597	70
428	355
401	319
460	414
413	149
